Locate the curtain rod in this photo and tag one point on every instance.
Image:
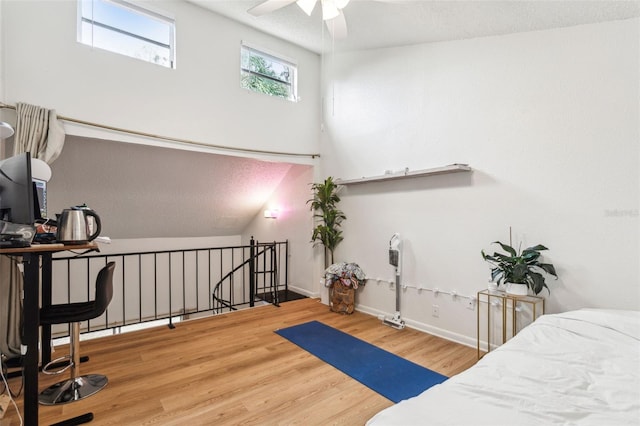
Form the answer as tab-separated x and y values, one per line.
166	138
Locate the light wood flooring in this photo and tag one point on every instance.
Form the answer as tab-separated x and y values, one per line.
233	369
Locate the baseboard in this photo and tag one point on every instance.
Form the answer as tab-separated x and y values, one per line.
303	291
426	328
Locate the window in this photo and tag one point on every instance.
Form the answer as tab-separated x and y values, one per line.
128	29
267	73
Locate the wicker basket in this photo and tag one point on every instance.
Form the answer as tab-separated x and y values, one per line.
341	298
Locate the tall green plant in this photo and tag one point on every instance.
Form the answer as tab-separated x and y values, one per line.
324	204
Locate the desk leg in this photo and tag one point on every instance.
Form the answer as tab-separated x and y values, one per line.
31	320
46	301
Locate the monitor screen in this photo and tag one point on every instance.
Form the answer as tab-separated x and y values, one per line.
16	190
40	197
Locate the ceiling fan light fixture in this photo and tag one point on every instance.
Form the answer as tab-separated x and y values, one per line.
332	12
329	10
307	6
341	4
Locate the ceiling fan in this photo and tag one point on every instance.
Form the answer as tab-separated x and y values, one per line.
332	13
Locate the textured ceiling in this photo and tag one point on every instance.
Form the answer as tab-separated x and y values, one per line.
145	191
386	23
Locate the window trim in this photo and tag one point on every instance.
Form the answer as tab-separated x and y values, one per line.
145	10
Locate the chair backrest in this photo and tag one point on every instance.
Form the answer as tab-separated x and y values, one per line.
104	288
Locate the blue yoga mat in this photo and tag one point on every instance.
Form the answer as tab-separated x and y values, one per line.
391	376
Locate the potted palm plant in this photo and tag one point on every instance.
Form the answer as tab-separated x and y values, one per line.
324	203
520	270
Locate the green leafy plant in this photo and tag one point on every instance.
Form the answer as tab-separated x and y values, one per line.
261	78
324	204
523	267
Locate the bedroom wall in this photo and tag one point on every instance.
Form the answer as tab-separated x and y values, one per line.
200	100
2	61
549	122
295	224
153	192
3	115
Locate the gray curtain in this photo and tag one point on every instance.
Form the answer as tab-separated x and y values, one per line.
39	132
10	307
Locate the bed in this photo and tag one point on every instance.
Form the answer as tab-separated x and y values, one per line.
576	368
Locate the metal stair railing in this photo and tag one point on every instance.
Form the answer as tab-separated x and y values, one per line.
263	278
173	285
269	271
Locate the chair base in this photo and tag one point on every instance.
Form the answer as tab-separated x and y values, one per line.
72	389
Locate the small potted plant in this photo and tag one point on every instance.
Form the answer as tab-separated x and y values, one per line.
343	279
520	271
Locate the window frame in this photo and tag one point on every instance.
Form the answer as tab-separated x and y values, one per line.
275	58
130	7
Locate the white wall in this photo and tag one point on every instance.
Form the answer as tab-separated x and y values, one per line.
548	120
120	246
2	60
3	114
201	100
294	223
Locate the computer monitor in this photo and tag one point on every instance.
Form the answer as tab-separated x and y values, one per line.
40	198
16	190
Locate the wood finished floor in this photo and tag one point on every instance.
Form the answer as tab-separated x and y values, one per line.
232	369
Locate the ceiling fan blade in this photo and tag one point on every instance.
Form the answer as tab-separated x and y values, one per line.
269	6
307	5
337	26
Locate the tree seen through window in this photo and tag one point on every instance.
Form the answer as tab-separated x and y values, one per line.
264	74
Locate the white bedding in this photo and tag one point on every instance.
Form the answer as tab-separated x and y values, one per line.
580	367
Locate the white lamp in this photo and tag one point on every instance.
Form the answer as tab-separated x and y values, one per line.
6	131
40	170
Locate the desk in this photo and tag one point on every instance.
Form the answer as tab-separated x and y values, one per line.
33	257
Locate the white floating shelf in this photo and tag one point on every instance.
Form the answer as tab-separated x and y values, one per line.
453	168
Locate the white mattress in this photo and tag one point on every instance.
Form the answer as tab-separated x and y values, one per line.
576	368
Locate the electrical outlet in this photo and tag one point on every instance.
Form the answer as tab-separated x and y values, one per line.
471	303
435	311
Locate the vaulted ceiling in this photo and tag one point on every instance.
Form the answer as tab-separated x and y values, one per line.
386	23
208	204
145	191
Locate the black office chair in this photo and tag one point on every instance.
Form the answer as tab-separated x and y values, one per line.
77	387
